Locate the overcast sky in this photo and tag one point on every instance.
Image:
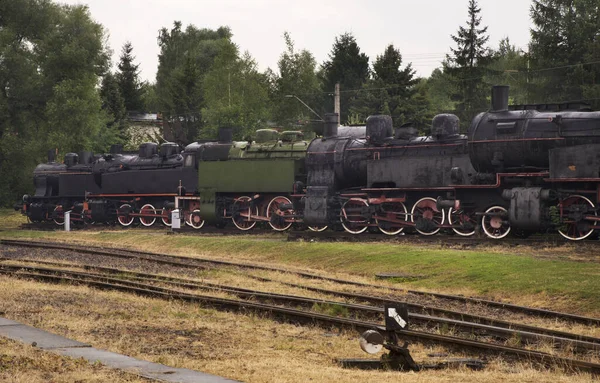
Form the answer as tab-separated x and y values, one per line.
421	29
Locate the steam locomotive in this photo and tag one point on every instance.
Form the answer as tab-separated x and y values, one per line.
528	169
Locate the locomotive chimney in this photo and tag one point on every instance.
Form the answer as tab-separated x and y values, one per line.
500	98
50	156
116	149
330	128
225	134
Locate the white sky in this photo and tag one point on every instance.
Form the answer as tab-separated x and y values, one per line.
419	28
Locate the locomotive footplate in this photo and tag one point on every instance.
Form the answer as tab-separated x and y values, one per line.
398	357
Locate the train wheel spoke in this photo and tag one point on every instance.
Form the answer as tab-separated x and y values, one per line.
352	219
277	216
463	223
495	225
426	216
391	210
123	215
194	220
575	227
242	210
147	209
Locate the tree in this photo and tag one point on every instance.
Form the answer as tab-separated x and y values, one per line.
235	94
390	91
116	116
348	66
128	78
467	66
184	58
564	49
51	57
112	100
297	76
509	67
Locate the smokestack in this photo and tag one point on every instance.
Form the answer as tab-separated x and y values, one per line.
51	156
225	134
116	149
500	98
330	125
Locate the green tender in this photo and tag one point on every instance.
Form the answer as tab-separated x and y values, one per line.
249	176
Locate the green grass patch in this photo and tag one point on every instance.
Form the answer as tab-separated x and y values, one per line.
553	282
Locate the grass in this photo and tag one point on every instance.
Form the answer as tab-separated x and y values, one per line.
21	363
249	347
518	275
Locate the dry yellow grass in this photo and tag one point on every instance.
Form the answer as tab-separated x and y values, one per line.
25	364
243	347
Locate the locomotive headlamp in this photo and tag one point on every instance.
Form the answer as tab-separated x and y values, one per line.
25	198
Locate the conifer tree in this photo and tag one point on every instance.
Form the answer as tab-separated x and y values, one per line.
128	78
467	65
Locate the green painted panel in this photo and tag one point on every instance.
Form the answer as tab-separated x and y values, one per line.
246	176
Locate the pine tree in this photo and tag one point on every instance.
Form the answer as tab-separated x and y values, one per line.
467	66
564	49
128	78
348	66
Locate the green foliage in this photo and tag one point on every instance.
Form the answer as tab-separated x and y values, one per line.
51	56
392	91
348	66
128	79
565	50
467	67
185	57
236	95
509	67
297	76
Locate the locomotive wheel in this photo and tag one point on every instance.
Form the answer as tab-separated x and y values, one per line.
495	226
276	216
125	220
426	213
466	222
352	219
392	210
194	220
147	209
243	205
317	229
576	230
166	221
59	217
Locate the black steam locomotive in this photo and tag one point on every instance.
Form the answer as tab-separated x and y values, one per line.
532	168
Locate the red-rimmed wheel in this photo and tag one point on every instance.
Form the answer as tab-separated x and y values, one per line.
495	224
426	216
464	223
123	215
353	217
279	218
573	210
317	229
147	209
59	215
166	220
194	219
242	210
391	210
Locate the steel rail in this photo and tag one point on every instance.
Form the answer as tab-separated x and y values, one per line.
301	316
178	261
536	335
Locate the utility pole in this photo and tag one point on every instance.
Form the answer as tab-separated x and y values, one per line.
336	101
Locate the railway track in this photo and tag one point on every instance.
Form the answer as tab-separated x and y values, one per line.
203	263
285	307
